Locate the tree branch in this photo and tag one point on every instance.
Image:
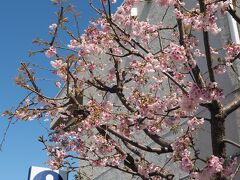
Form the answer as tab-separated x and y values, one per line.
231	107
232	12
196	70
166	146
231	142
134	143
207	46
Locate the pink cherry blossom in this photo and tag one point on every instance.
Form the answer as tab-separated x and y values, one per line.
53	26
51	52
186	164
177	53
56	63
188	104
214	164
58	84
195	122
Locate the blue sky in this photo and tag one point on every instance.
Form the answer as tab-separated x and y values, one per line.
20	23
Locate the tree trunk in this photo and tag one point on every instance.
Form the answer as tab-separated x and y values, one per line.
217	132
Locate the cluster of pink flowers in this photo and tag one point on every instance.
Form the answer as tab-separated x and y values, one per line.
53	27
198	53
103	146
188	104
53	164
57	157
186	163
94	40
197	95
194	122
222	6
232	51
228	170
58	63
100	162
176	53
23	114
206	22
220	69
69	141
219	165
124	126
145	168
114	160
145	30
74	44
123	14
51	52
200	22
178	14
214	164
182	154
179	146
117	159
99	113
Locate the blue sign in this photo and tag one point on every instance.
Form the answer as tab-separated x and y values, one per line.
42	175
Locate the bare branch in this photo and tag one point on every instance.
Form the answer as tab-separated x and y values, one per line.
166	145
60	17
231	107
134	143
231	142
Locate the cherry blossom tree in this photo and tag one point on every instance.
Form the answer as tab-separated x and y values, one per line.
125	82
